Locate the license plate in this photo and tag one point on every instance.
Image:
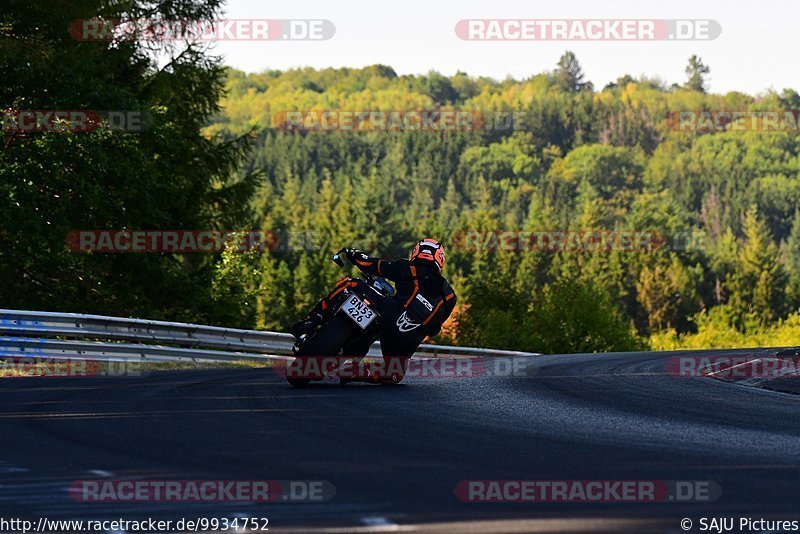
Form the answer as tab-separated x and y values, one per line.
359	312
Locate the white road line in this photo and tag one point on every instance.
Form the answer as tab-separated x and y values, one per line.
380	524
9	468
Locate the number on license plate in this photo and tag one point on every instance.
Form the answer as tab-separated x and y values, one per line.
359	312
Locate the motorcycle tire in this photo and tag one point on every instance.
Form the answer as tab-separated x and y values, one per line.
327	341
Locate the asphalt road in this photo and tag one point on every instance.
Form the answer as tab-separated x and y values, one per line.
395	454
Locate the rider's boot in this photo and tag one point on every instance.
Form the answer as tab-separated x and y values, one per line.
306	326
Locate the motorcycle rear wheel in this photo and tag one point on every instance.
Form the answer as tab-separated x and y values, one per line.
327	341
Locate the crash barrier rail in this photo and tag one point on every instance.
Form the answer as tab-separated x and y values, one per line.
38	334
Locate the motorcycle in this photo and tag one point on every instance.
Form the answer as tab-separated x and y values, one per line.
357	322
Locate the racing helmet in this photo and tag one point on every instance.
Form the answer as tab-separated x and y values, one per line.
428	250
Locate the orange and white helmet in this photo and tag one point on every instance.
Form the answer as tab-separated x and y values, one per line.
429	250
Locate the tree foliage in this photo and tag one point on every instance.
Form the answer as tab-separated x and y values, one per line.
170	176
720	207
551	154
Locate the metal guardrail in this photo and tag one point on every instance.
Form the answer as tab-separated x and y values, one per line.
39	334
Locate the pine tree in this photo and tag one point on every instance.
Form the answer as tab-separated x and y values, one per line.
274	306
696	73
668	293
569	74
793	260
758	285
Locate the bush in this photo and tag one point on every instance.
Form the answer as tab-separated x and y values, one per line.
564	317
569	317
715	329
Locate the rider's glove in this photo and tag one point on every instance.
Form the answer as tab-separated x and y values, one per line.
351	254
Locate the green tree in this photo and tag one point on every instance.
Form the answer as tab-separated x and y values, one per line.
570	316
757	287
234	288
569	74
168	176
439	88
668	293
793	260
696	73
274	305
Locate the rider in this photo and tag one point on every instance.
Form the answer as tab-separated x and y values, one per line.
421	304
